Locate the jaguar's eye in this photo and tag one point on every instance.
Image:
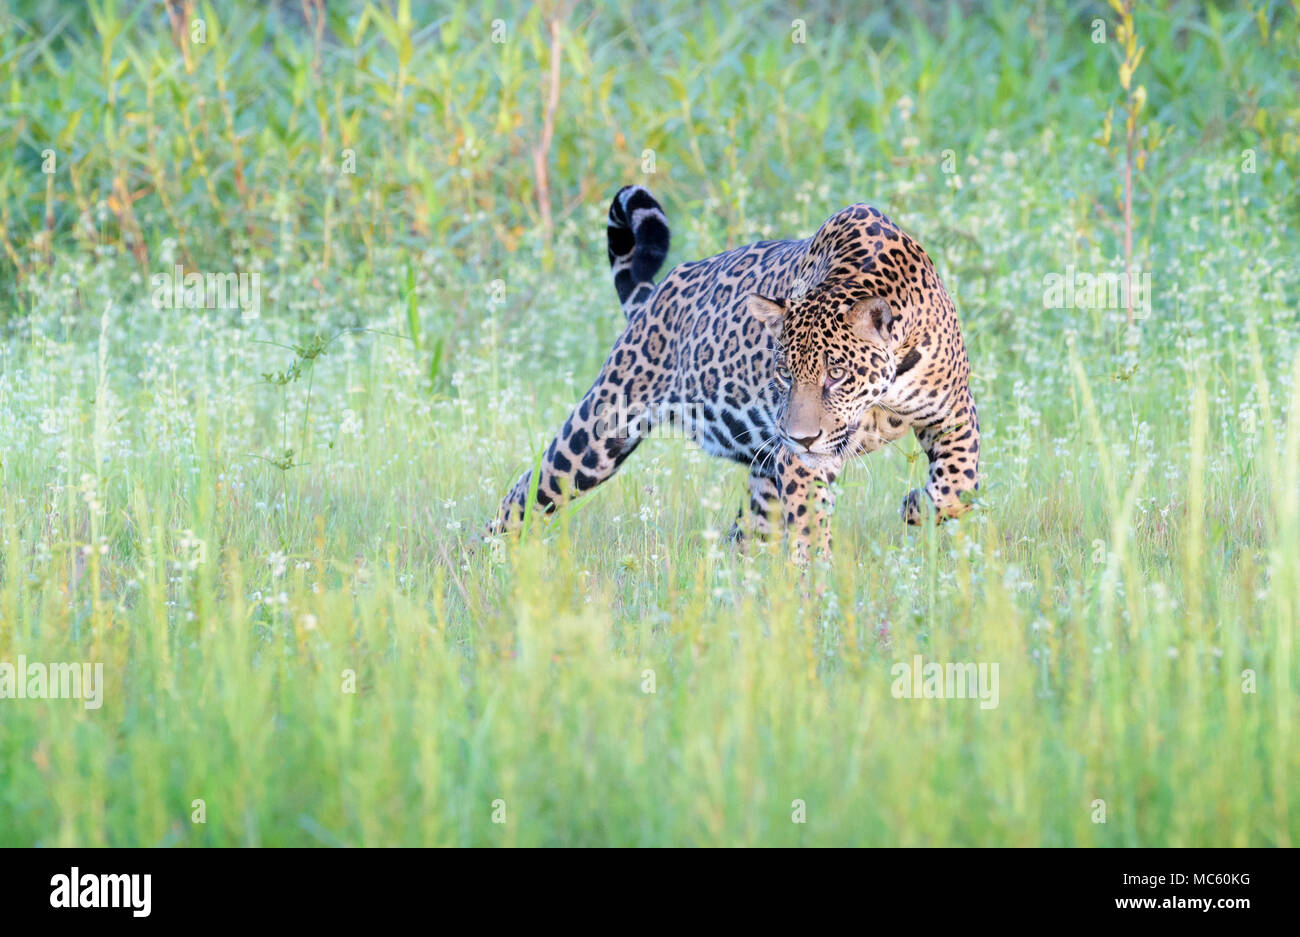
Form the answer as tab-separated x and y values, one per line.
783	374
835	373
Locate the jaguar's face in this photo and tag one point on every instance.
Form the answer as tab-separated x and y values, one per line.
835	359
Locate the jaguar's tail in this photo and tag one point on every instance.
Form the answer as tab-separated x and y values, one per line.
638	243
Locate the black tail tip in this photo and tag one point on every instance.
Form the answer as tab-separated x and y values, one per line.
638	239
627	201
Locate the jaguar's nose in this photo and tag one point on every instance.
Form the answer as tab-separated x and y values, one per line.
807	441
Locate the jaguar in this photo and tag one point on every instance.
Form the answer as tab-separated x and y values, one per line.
790	357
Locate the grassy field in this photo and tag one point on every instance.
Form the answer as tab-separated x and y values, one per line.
258	516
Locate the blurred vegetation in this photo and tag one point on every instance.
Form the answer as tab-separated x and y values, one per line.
241	139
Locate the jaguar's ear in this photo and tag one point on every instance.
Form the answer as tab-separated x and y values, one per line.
770	312
872	317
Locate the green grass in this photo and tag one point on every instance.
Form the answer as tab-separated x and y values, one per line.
1132	554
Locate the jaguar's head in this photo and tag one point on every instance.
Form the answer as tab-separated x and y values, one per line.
835	359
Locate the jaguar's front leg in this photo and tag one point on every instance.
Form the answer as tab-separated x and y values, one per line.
953	446
756	520
807	501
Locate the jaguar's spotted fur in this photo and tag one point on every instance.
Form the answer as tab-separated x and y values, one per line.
787	356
